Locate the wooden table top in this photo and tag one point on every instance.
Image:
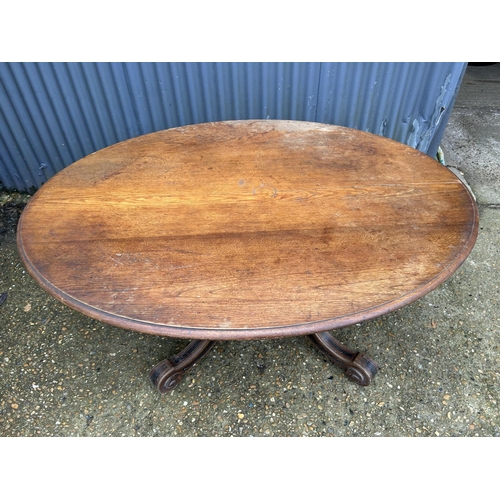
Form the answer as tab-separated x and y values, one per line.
247	230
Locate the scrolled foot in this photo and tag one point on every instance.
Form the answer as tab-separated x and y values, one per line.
359	368
167	374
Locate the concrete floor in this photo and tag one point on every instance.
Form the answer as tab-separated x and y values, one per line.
63	374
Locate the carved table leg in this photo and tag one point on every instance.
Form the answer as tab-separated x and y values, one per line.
358	368
167	374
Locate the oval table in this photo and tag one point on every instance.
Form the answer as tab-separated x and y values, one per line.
244	230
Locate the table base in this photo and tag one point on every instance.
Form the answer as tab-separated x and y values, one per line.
358	367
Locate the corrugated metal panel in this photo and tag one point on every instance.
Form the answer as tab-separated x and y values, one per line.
52	114
408	102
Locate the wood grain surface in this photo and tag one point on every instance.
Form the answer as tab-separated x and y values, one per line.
247	229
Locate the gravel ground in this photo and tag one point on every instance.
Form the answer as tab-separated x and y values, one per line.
63	374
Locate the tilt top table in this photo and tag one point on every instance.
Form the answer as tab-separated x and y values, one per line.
245	230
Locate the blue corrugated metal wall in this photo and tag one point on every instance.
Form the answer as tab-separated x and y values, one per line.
52	114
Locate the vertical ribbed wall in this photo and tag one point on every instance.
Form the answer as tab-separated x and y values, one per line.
52	114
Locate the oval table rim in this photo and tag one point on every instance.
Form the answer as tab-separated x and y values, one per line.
193	333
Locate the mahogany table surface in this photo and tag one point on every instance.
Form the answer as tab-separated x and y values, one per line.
247	230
